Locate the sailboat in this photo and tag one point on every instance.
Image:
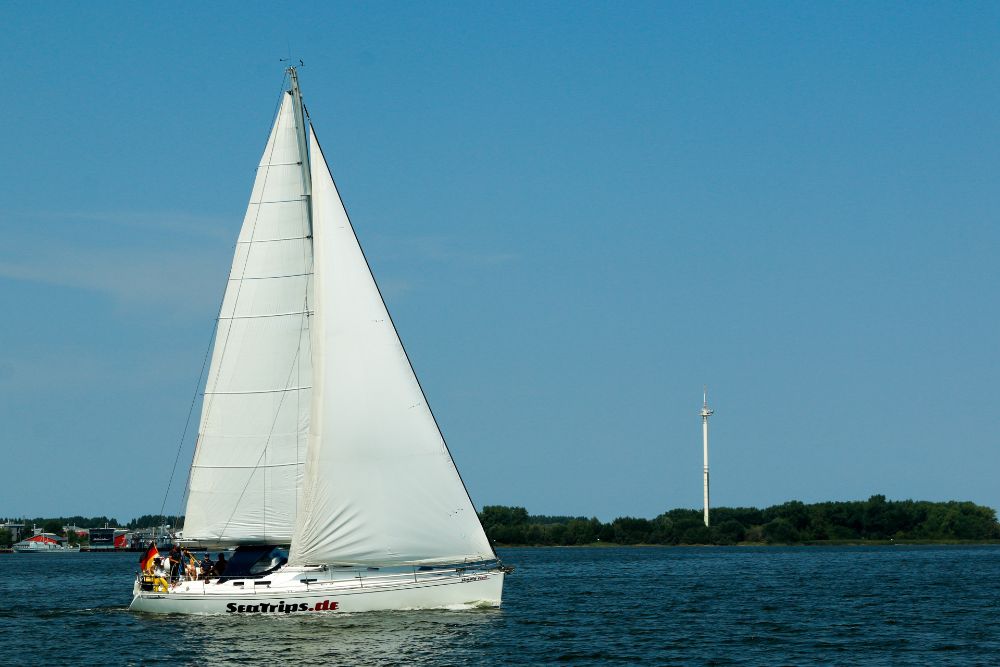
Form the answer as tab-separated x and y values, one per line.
318	458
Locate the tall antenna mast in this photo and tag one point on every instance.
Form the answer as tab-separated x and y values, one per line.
706	412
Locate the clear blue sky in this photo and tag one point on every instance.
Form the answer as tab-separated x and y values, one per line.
579	212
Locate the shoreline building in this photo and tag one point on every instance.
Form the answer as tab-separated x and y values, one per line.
16	530
108	538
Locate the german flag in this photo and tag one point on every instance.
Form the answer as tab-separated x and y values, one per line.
146	562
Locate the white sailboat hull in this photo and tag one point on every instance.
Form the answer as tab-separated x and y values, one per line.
455	589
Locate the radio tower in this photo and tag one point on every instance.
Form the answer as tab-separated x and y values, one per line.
706	412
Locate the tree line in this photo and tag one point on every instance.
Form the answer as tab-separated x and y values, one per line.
793	522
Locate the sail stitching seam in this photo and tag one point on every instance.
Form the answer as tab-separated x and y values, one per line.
290	275
257	317
264	465
289	238
255	391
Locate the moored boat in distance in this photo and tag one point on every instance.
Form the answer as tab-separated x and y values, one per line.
318	457
43	543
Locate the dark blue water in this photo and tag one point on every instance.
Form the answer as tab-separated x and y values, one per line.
720	606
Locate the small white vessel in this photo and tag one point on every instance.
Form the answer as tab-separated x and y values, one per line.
318	456
43	543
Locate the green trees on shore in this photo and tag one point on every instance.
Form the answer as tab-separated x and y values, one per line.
793	522
790	523
155	521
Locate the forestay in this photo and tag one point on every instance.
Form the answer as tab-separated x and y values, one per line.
380	485
255	418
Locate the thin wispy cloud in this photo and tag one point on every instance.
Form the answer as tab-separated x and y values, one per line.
189	224
129	275
172	259
185	271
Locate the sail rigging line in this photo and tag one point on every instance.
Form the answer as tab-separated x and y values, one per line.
255	391
274	422
308	261
236	299
187	422
298	395
260	317
246	262
287	275
264	465
288	238
208	403
280	201
403	347
204	364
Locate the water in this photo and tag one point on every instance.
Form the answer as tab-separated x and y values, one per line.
719	606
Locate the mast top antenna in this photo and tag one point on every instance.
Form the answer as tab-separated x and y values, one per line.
705	410
291	69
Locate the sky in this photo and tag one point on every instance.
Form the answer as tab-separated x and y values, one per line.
580	213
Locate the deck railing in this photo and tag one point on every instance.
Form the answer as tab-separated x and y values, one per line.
377	580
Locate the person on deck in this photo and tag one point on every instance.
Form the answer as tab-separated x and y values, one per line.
191	566
175	561
207	567
220	565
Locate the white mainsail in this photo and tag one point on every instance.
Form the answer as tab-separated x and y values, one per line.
380	486
245	478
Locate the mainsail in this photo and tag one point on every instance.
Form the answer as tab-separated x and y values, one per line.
244	483
314	429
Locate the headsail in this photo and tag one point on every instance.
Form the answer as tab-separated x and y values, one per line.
380	484
255	418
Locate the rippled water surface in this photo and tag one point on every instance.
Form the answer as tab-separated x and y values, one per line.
756	606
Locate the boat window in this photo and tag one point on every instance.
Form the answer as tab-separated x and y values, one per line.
255	561
270	562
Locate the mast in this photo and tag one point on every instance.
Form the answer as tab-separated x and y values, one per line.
706	412
300	132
